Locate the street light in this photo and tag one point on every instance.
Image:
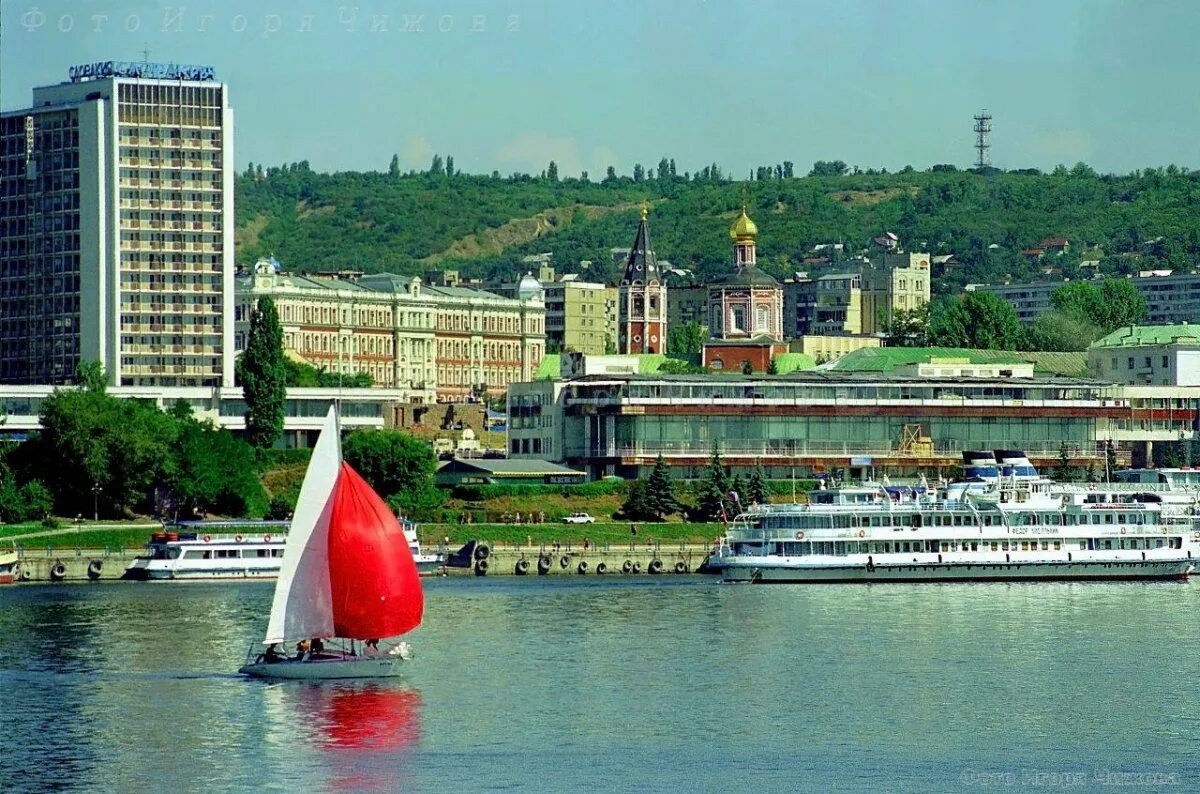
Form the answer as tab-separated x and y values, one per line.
96	501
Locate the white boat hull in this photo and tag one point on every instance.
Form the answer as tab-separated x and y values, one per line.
326	669
763	570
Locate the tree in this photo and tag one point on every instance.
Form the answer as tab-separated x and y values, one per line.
449	165
685	340
1090	473
1062	472
610	174
664	170
397	465
757	490
660	491
1109	305
1062	332
976	320
1110	460
788	169
263	376
552	171
636	506
394	167
436	168
639	173
829	168
773	366
713	490
747	367
90	376
907	327
214	473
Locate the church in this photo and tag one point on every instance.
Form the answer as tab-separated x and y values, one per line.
745	309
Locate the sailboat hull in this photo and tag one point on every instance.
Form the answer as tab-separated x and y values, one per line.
323	669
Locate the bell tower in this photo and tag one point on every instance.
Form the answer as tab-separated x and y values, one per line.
642	302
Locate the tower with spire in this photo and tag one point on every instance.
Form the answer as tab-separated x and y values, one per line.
642	301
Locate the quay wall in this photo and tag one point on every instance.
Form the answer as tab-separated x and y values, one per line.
73	565
81	565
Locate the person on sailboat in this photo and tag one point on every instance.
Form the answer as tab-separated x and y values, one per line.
318	647
272	654
301	649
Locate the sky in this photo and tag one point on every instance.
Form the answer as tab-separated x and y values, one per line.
509	85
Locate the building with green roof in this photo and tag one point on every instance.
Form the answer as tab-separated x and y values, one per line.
1162	355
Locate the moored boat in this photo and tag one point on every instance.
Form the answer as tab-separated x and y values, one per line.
256	552
1014	526
10	563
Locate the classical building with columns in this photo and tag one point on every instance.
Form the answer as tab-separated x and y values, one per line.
745	308
642	299
448	343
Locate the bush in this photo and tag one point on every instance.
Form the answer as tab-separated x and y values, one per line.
281	507
50	522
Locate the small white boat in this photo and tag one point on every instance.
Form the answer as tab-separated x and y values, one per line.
10	563
347	576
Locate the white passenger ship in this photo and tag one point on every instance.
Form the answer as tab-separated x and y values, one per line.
1007	524
257	554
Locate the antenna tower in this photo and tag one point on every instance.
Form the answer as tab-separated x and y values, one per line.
983	127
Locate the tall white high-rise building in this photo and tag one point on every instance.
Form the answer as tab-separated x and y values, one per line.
116	228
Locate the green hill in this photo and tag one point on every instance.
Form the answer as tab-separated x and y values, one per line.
480	224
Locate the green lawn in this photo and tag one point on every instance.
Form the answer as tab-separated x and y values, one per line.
91	539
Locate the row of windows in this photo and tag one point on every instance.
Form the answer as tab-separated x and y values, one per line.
842	548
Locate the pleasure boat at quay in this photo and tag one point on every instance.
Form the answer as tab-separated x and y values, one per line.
1001	523
199	553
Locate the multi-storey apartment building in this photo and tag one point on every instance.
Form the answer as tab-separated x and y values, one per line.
116	228
581	316
448	342
856	303
1170	297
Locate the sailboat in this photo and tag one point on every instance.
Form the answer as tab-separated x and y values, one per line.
347	576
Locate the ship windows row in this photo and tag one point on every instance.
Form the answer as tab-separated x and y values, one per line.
837	548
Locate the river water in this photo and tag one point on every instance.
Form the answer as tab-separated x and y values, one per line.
653	684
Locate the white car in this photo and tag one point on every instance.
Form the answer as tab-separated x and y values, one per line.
579	518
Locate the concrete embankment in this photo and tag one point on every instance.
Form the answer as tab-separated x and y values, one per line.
483	559
72	565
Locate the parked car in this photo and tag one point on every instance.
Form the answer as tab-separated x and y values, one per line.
579	518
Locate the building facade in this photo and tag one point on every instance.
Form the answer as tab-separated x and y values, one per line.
642	299
452	343
816	421
581	316
745	308
1148	355
856	303
1171	298
116	228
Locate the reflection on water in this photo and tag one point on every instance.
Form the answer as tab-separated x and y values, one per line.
605	682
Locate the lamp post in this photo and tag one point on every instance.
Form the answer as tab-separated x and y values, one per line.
96	501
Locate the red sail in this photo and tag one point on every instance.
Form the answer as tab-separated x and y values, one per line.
375	587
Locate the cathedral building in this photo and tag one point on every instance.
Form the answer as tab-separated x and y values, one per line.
745	308
642	299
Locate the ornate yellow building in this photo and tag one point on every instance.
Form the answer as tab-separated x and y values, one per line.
448	342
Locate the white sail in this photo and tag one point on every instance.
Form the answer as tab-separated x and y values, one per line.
303	607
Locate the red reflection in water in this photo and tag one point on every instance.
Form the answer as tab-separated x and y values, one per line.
364	716
365	731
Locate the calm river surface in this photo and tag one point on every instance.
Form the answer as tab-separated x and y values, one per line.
668	683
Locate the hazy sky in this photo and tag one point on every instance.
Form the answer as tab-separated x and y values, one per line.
512	84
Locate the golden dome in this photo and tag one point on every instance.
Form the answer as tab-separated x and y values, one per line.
743	228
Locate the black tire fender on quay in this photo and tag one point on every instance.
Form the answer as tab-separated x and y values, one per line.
482	551
582	567
627	566
522	567
564	561
544	563
94	568
681	567
655	566
58	571
637	567
601	568
481	567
